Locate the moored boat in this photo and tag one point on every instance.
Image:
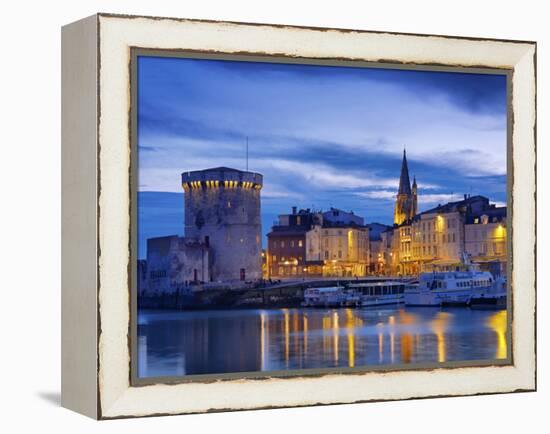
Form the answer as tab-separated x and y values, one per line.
492	298
332	296
378	293
448	288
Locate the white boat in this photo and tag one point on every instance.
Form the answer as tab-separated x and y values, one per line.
379	293
332	296
491	298
448	288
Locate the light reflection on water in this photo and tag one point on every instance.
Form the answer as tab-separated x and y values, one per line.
174	343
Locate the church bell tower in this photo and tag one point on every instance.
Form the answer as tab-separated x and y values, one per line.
406	203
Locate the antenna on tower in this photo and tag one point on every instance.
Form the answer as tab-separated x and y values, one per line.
247	153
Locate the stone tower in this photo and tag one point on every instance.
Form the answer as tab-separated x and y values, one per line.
406	203
222	210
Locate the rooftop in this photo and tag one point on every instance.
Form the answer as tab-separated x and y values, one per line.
454	206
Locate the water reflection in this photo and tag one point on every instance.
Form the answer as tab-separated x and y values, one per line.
498	323
439	326
207	342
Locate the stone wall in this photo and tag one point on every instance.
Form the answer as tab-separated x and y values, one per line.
173	263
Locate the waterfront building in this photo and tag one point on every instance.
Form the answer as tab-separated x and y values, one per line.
308	243
442	238
287	255
376	250
345	250
222	210
390	242
485	239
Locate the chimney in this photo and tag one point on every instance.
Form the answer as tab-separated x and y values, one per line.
293	210
465	196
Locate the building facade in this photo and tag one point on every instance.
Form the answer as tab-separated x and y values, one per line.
314	244
345	250
485	240
287	255
445	237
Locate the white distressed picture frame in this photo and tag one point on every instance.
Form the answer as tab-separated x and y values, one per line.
96	215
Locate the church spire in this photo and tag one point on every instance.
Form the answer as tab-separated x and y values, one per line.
404	181
405	205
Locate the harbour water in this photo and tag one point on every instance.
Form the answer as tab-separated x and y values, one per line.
176	343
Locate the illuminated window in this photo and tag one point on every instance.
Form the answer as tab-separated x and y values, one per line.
291	243
282	243
300	244
228	204
274	259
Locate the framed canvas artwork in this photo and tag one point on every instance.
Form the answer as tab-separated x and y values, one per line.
262	216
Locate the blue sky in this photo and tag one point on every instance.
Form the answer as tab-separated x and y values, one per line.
321	136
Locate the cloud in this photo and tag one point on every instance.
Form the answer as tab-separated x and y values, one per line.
271	192
439	198
148	149
391	195
378	194
323	135
326	177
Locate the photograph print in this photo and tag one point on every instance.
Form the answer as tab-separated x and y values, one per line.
297	217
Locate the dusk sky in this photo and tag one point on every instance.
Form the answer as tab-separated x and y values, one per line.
321	136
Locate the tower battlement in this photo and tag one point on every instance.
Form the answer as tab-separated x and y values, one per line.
221	177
